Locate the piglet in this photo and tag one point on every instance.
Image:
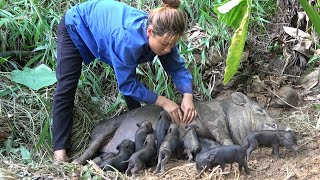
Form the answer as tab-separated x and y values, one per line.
103	157
144	128
126	149
207	144
162	127
190	141
139	159
271	138
221	155
168	147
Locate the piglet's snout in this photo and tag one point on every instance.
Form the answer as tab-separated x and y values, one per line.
196	148
295	147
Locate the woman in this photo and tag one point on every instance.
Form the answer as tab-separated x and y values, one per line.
122	37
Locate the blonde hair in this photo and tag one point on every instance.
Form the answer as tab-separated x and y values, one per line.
167	20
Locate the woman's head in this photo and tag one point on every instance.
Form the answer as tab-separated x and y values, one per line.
166	25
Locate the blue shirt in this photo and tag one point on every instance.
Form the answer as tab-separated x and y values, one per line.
116	34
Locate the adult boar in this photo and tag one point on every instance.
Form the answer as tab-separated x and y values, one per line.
227	122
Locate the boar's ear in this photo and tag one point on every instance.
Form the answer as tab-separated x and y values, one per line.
289	129
238	98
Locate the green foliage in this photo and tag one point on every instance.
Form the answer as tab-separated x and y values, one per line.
231	12
312	14
17	149
261	13
30	26
313	61
41	76
234	13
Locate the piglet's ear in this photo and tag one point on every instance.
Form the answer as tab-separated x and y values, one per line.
198	130
170	130
280	135
118	147
210	157
145	142
138	124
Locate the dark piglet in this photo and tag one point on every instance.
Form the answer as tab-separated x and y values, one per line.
207	144
190	141
221	156
147	154
126	149
144	128
102	157
168	147
162	127
271	138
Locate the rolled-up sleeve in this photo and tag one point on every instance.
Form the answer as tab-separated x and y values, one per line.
124	60
174	65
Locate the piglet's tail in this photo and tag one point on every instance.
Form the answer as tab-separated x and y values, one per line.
171	3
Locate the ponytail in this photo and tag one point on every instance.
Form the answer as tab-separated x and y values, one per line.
167	20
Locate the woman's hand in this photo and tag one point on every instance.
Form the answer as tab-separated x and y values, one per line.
187	106
171	107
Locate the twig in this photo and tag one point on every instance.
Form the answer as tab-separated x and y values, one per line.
280	97
16	53
288	75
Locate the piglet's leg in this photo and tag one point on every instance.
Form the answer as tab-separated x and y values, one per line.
249	151
164	161
160	157
275	150
190	157
136	168
246	169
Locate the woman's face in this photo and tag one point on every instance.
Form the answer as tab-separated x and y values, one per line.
160	45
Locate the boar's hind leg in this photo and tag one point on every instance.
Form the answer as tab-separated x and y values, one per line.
95	145
218	127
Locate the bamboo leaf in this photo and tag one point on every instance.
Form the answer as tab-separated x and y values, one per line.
237	46
43	134
312	14
231	12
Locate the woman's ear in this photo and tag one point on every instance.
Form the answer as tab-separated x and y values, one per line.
149	31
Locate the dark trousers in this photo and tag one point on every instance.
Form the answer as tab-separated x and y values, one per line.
68	71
